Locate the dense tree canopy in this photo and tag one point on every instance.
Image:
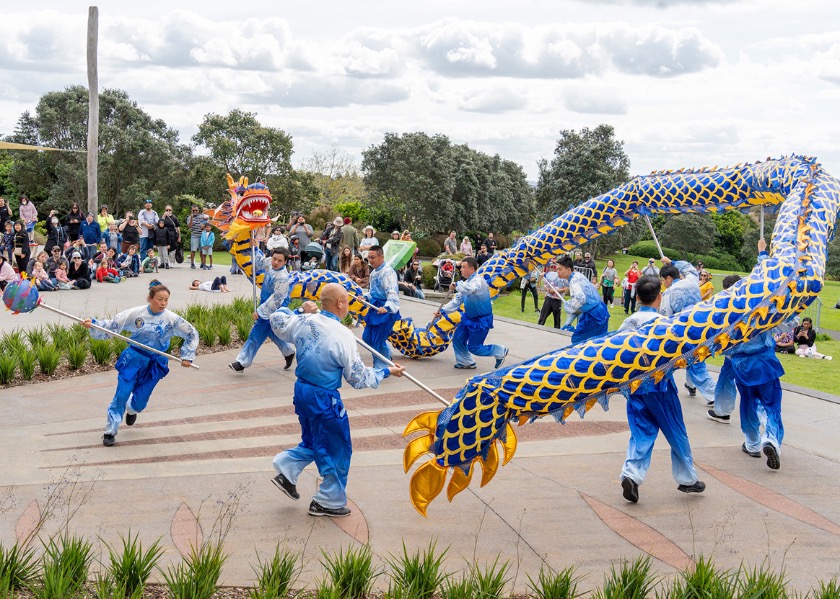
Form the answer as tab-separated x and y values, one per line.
138	155
434	186
586	163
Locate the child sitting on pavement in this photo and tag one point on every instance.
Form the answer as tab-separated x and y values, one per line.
150	262
104	274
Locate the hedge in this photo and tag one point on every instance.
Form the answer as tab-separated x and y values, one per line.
717	261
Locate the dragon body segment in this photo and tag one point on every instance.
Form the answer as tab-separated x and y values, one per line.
575	378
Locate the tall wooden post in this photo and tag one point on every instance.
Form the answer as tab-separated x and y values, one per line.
93	111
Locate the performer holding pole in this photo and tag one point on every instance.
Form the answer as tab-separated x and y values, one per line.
476	321
594	316
273	294
384	296
140	370
327	352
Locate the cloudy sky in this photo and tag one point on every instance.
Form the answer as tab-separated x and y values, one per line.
684	82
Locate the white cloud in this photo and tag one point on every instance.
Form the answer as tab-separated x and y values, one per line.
493	101
594	100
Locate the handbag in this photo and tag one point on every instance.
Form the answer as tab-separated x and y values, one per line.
18	251
179	255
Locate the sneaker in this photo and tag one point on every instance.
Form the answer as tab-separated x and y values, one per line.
289	360
282	483
774	462
130	419
316	509
192	266
717	417
692	391
465	366
710	403
237	367
752	454
826	357
697	487
630	490
108	440
500	361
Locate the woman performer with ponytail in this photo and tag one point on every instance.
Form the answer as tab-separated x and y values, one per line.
140	370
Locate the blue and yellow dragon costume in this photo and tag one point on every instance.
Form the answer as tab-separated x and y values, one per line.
477	427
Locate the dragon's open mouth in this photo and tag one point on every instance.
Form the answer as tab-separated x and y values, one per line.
253	208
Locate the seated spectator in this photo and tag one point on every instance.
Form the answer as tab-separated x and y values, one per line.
784	342
150	262
107	275
7	272
40	257
413	273
129	263
217	285
52	262
358	272
41	278
79	272
409	287
804	336
62	280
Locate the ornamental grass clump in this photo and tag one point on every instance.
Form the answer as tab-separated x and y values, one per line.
27	361
461	588
351	573
703	581
130	565
419	575
490	581
197	576
49	356
555	585
77	353
276	576
65	564
223	330
8	366
18	568
206	332
37	336
632	580
761	582
101	350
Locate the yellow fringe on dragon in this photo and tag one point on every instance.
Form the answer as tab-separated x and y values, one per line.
573	379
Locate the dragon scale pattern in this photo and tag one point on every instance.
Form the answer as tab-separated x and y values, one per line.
575	378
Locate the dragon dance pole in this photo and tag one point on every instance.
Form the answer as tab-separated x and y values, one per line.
405	374
254	272
123	337
652	232
761	218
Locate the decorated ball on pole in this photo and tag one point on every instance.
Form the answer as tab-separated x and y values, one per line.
21	295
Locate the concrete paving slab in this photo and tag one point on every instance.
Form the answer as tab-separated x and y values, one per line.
206	441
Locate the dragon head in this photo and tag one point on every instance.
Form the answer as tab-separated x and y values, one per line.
247	208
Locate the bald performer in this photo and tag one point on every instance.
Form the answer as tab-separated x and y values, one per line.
326	351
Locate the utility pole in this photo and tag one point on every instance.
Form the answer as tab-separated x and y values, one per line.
93	111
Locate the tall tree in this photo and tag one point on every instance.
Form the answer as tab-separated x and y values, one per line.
139	155
691	233
336	176
586	163
243	147
434	186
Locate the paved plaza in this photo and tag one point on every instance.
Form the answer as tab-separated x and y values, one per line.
204	447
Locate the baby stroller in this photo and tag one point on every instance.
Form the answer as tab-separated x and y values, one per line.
445	274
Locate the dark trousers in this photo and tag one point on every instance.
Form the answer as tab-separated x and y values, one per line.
608	293
533	289
629	301
554	307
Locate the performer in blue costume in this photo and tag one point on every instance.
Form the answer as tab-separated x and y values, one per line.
594	318
327	352
682	290
274	294
385	295
654	407
140	370
476	321
756	370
